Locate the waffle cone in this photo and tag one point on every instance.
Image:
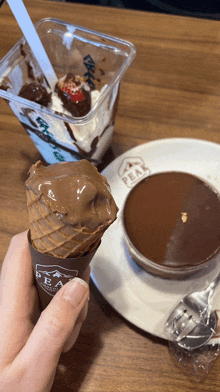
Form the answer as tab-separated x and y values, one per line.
50	235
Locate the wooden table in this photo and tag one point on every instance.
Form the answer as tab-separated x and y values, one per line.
171	90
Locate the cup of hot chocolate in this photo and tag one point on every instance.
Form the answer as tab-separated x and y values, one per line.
171	223
74	118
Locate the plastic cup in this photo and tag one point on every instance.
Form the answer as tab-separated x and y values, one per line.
101	59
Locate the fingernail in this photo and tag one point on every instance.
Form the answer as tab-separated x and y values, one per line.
75	291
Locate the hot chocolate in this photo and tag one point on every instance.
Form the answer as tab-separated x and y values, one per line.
173	219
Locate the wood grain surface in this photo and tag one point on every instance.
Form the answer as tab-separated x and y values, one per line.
172	89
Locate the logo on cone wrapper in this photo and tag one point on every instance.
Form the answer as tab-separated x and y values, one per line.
52	277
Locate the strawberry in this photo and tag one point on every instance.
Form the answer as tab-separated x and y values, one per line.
75	95
73	91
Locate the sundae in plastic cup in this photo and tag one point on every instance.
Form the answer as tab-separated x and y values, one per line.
74	118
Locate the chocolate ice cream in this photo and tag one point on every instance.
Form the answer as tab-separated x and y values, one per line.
70	206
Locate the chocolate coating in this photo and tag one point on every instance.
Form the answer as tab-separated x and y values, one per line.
75	191
36	93
173	219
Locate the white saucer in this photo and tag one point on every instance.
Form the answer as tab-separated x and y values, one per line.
141	298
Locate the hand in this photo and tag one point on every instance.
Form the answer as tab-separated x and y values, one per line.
30	350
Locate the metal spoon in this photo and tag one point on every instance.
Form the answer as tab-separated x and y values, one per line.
193	322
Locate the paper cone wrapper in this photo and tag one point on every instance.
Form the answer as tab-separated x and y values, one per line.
51	272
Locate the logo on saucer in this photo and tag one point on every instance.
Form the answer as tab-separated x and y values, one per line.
132	170
52	277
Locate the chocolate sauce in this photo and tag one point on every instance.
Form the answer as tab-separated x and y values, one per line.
36	93
30	70
4	87
173	219
23	53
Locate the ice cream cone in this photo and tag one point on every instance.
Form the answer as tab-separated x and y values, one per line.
70	207
51	236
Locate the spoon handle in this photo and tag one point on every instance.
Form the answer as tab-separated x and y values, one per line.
211	287
215	282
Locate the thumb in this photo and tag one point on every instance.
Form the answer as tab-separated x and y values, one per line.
41	353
